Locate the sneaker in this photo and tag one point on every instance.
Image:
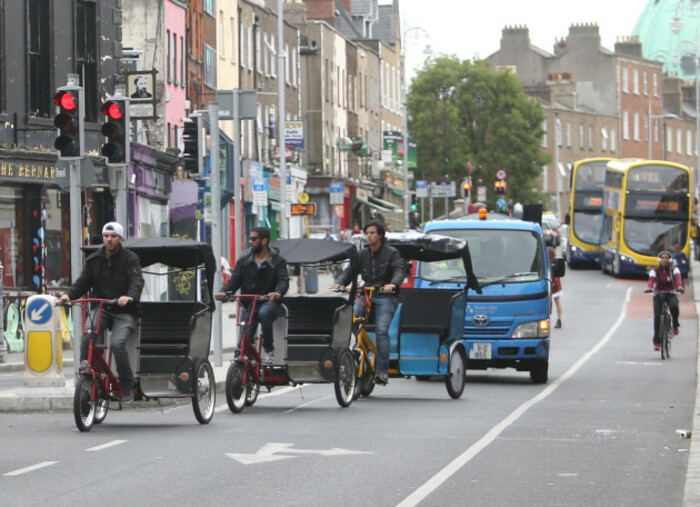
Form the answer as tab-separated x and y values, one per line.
657	346
381	378
267	357
675	331
558	324
127	396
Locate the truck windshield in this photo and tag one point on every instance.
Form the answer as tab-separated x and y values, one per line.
497	256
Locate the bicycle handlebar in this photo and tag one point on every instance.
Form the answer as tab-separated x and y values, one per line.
80	301
259	298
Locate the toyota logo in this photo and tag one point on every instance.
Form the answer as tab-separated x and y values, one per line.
481	320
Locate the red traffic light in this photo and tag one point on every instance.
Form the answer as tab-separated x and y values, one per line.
113	110
65	100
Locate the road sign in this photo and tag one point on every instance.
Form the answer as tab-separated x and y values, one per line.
39	311
443	189
299	208
259	192
337	193
501	174
422	188
294	133
303	197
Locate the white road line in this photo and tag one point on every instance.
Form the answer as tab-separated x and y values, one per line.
31	468
311	402
277	392
438	479
105	446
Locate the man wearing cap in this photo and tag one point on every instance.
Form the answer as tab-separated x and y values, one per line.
113	272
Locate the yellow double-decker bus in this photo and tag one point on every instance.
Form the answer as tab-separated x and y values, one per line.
647	210
585	216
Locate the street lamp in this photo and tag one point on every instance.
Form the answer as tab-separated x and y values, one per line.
404	94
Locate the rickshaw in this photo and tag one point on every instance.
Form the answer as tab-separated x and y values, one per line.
426	331
312	339
171	358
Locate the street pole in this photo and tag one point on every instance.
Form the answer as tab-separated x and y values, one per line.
215	184
444	94
479	101
284	224
238	219
406	190
75	243
693	174
556	161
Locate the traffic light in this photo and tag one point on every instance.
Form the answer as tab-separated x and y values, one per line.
465	189
414	202
499	187
117	147
68	121
192	153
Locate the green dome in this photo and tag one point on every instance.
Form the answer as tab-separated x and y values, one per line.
655	28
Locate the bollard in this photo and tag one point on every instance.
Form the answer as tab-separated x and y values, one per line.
43	351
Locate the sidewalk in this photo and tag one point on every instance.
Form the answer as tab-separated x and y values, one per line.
17	398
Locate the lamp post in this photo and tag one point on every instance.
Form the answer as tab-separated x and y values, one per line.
446	93
404	94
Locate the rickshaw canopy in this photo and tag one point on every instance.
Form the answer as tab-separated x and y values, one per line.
315	251
174	252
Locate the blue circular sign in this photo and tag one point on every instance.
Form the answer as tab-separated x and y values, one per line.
39	311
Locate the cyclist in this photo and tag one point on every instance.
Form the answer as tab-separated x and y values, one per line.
261	271
113	272
381	266
665	278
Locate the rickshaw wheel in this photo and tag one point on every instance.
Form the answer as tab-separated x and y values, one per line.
345	378
101	404
235	390
204	393
251	392
84	408
456	376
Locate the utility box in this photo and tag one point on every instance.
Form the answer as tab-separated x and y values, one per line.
43	353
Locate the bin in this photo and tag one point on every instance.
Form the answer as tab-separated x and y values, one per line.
311	279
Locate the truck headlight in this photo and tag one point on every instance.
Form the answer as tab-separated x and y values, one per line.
534	329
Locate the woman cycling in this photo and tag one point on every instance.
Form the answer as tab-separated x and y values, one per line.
664	279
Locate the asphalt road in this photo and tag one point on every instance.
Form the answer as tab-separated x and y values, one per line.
602	432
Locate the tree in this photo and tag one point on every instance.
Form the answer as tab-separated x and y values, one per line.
509	136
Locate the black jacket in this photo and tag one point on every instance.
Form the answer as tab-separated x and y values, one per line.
377	269
272	276
111	278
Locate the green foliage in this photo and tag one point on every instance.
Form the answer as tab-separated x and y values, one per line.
510	130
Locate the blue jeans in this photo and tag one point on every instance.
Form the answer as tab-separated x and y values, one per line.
265	314
124	328
383	307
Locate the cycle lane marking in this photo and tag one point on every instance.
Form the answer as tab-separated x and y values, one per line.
460	461
107	445
31	468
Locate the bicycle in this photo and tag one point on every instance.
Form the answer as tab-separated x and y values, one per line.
665	324
365	349
96	384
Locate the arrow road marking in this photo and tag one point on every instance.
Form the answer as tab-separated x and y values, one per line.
36	314
32	468
272	450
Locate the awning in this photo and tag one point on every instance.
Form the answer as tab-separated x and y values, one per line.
386	204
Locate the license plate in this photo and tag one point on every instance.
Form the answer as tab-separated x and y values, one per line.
480	350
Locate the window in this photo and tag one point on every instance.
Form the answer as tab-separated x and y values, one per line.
656	84
259	49
636	126
646	83
232	38
625	125
679	141
544	135
250	48
273	66
221	45
209	7
688	142
168	56
635	81
182	62
590	137
39	58
209	66
613	140
604	138
568	135
581	136
647	128
669	138
625	80
175	58
288	65
86	56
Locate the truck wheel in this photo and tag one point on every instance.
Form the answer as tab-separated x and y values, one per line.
540	372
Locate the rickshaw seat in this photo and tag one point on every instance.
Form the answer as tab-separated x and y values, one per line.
309	339
426	310
310	319
166	327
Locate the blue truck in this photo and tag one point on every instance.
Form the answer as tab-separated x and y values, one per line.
507	326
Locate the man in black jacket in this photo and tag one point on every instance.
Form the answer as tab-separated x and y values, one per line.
382	267
261	271
113	272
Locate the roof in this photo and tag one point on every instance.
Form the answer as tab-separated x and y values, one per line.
502	222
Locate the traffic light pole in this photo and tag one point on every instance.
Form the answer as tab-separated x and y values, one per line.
75	244
215	184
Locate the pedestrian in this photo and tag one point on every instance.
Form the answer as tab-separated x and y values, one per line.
113	272
328	235
556	286
518	210
381	267
414	221
510	207
261	271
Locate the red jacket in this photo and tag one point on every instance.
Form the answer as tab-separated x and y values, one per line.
665	279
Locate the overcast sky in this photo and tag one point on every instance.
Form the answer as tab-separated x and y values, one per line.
468	28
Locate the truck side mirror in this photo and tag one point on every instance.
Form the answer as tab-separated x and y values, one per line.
559	267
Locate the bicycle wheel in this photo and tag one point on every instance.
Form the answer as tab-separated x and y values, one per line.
663	334
345	378
366	380
84	407
235	390
101	404
252	391
204	395
669	335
